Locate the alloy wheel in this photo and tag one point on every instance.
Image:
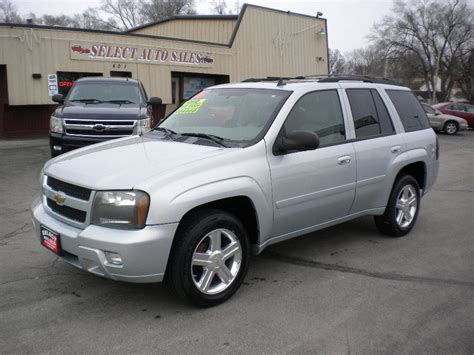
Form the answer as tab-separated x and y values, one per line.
216	261
407	203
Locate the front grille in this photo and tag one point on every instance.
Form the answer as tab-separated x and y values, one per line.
78	132
71	190
68	212
99	128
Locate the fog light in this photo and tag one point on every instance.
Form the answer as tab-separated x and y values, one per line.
57	147
113	258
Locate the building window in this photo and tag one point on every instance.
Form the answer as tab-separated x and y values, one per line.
191	86
66	80
185	85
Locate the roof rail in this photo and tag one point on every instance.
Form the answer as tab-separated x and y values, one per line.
325	79
363	78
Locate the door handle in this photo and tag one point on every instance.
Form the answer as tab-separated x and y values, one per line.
344	160
396	149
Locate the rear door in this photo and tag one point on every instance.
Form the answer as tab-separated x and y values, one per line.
376	146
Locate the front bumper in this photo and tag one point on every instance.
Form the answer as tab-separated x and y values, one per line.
144	252
62	143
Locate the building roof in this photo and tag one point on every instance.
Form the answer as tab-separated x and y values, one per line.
128	33
185	17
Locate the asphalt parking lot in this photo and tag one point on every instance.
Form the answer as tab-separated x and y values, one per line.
344	289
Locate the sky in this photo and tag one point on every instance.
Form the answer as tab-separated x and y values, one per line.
349	21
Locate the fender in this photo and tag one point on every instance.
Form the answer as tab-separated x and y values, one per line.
401	161
197	196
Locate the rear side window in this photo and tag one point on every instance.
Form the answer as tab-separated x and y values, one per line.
409	109
319	112
371	118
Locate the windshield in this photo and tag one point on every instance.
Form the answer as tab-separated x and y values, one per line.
232	114
105	91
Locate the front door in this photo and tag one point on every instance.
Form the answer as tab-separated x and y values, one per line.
313	187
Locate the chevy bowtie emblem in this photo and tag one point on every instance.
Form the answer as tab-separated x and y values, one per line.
98	127
59	198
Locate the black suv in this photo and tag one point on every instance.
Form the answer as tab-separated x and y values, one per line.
98	109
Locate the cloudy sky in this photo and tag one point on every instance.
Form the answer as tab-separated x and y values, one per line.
349	21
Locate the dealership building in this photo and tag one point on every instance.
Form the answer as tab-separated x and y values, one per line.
173	58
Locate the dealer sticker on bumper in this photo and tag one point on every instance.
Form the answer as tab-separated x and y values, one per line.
50	240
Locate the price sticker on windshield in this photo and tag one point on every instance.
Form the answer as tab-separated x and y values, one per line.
191	106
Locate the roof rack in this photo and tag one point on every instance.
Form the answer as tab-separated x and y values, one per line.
325	79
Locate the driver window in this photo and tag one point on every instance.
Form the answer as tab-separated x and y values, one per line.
320	112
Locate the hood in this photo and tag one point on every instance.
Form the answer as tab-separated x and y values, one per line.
123	163
103	111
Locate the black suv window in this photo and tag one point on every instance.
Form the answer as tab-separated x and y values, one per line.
370	115
319	112
409	109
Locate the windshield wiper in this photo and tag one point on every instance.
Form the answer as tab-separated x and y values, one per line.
211	137
120	102
168	132
89	101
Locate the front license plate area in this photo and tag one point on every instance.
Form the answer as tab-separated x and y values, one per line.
50	240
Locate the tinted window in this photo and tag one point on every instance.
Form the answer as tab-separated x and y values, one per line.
409	109
319	112
385	121
470	109
369	113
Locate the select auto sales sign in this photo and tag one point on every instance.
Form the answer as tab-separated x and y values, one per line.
139	54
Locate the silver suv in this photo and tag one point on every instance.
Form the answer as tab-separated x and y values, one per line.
235	169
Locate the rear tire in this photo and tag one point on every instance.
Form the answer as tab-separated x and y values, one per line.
210	257
451	127
402	209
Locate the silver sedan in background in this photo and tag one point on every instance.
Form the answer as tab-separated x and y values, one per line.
442	122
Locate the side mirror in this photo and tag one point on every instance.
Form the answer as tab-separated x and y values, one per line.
59	98
154	101
296	141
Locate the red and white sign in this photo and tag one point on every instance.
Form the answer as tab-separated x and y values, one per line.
139	54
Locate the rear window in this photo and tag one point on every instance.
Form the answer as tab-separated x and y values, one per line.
371	118
409	109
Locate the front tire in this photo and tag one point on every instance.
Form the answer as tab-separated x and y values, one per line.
210	257
451	128
402	210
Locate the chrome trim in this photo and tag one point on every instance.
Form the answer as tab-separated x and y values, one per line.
77	124
70	201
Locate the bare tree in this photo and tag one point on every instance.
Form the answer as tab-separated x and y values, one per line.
337	62
365	61
9	12
237	7
155	10
219	7
432	31
128	13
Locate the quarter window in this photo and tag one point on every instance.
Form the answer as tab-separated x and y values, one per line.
370	115
319	112
409	109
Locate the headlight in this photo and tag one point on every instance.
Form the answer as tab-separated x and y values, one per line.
143	126
120	209
56	124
